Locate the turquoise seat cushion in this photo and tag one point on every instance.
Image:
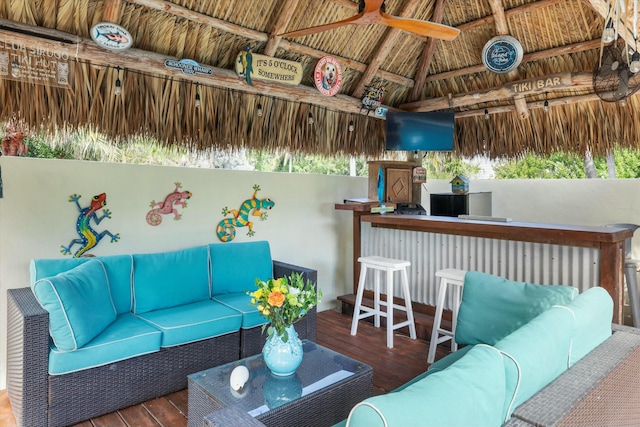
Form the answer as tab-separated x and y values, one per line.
236	266
118	267
468	393
126	337
170	279
193	322
241	302
492	307
593	311
536	354
79	304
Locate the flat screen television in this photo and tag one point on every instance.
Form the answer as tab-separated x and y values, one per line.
427	131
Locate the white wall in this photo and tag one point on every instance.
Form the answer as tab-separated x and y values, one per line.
303	228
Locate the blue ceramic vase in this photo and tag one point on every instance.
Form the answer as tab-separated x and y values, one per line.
283	358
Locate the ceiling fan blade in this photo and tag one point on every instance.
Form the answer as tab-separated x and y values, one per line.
422	28
324	27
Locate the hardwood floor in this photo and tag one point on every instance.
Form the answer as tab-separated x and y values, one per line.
391	368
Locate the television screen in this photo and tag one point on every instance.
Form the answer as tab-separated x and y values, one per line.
429	131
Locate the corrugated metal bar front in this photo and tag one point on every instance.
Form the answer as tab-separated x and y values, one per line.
522	261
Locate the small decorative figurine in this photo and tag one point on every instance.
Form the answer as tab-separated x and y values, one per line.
460	185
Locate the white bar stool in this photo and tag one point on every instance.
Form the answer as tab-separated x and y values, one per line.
389	266
454	277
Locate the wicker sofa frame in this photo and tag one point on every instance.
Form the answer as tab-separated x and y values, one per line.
39	399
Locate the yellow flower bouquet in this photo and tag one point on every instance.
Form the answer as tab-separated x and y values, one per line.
284	301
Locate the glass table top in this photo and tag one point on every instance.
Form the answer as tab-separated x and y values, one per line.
264	391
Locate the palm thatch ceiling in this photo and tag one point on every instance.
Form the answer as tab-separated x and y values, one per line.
496	113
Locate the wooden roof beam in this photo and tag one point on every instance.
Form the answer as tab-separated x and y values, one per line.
503	29
532	105
383	50
112	11
146	62
286	13
522	88
427	54
258	36
527	57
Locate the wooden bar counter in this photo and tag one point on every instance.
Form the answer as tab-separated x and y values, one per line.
608	242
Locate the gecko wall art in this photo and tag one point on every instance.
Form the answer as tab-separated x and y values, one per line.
226	229
89	238
168	206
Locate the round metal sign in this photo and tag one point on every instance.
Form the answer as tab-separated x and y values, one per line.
502	54
111	36
328	76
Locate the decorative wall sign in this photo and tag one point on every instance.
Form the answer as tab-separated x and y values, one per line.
226	229
188	66
502	54
419	175
166	207
328	76
111	36
372	98
39	66
89	238
264	67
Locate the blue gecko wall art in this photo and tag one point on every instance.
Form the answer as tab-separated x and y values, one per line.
176	198
226	229
89	238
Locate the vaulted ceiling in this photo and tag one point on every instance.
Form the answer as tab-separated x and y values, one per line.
496	113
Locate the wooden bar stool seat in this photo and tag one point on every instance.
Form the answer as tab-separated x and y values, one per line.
389	266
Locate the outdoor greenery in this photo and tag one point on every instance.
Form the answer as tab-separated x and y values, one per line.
568	166
88	144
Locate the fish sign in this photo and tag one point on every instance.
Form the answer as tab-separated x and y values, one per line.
111	36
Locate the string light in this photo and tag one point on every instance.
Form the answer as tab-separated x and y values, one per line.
117	91
259	109
546	103
197	95
609	34
311	120
351	126
486	114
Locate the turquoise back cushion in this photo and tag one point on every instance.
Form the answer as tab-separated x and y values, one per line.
593	312
79	304
236	266
536	354
468	393
118	267
492	307
170	279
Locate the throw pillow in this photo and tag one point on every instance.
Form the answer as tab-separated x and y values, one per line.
492	307
79	304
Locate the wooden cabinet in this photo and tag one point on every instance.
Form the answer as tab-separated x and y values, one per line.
398	181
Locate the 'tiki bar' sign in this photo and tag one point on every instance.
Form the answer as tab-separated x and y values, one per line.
262	67
39	66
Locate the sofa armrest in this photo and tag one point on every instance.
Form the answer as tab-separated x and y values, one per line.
307	326
27	357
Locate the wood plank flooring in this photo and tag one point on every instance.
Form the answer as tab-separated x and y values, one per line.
391	368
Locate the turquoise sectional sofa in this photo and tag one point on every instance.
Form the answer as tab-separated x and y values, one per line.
518	338
93	335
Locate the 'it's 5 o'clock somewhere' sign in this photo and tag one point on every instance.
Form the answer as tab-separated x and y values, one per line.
272	69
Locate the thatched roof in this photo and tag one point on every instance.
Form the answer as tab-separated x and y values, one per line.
418	73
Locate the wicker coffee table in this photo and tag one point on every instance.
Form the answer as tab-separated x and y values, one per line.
321	392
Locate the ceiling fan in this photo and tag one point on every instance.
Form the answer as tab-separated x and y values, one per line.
372	12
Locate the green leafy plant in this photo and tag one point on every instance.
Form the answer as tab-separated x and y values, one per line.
284	301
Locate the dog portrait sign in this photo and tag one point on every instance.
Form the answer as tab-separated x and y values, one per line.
328	76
